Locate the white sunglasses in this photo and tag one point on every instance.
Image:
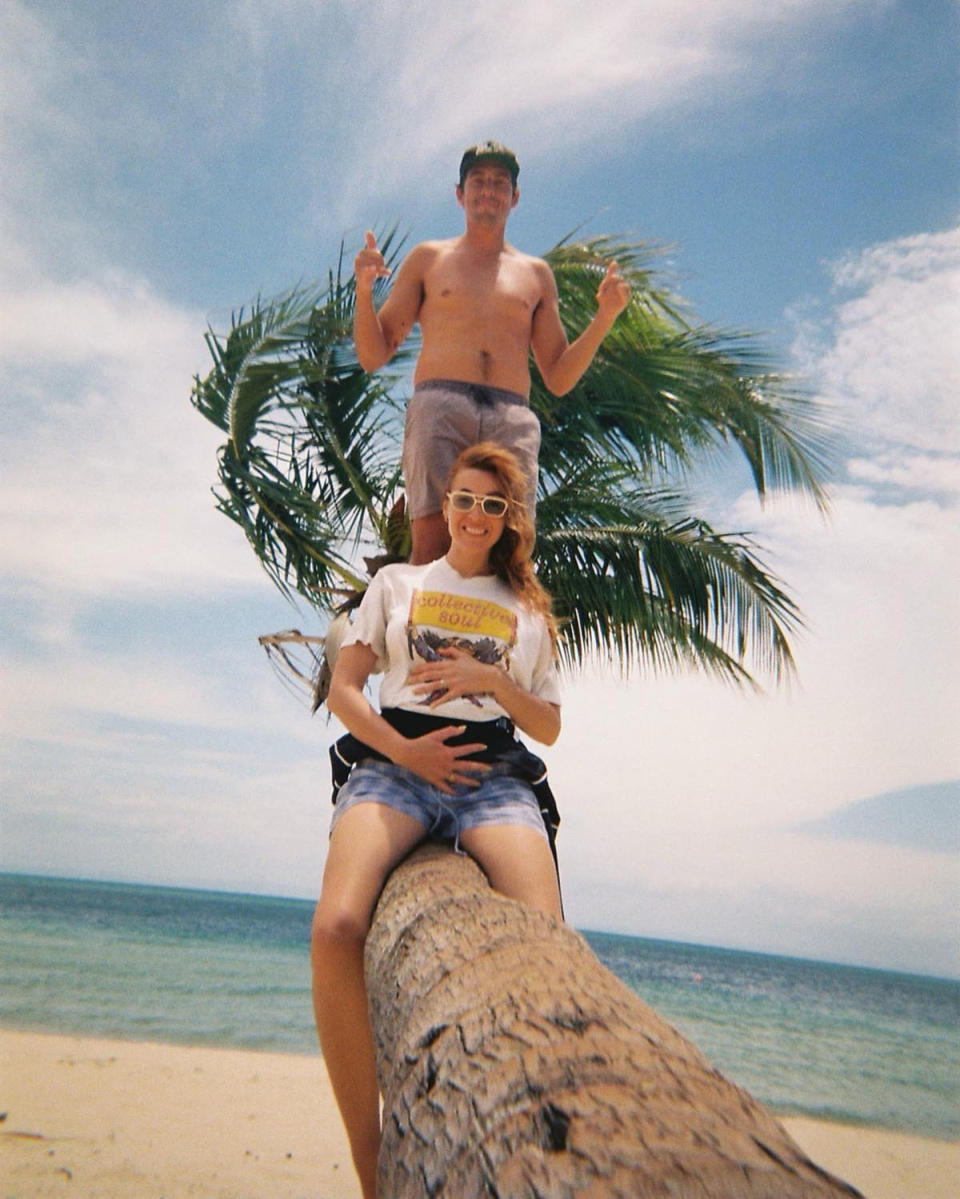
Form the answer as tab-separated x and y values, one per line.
466	501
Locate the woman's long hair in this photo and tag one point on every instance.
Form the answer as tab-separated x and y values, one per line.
510	558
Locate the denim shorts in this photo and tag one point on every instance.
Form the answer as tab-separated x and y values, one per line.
498	799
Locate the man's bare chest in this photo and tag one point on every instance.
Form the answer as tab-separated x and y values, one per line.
501	291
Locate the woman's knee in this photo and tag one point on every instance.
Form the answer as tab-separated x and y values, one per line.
337	926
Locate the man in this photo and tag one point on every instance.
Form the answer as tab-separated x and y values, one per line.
482	307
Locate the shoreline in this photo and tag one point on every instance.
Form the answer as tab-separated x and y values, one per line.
122	1118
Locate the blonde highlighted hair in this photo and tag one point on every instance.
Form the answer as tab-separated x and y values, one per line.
510	558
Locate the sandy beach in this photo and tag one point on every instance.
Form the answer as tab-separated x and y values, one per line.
111	1119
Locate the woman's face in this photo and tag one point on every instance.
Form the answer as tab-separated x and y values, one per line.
474	530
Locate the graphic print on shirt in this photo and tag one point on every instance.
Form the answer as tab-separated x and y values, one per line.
440	620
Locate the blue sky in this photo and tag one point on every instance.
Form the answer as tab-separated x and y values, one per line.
165	163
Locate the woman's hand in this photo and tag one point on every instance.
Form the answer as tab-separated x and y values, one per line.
454	675
445	766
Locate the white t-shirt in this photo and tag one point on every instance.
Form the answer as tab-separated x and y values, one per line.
410	612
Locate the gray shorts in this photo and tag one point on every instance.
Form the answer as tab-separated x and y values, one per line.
445	416
498	799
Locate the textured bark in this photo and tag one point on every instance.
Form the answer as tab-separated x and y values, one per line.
513	1064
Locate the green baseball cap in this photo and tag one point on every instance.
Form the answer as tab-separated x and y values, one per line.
487	150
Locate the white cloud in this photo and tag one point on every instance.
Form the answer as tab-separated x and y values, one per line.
143	690
162	765
678	793
550	75
237	824
32	62
51	130
675	792
894	362
106	480
911	472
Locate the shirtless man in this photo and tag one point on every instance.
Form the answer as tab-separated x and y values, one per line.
483	307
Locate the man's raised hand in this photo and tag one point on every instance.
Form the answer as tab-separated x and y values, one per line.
613	294
369	265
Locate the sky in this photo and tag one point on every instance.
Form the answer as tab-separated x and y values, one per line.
163	164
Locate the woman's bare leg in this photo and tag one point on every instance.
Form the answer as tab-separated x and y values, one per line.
518	862
367	843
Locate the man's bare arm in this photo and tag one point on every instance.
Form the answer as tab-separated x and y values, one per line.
562	364
378	335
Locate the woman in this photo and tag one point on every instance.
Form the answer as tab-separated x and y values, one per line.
468	639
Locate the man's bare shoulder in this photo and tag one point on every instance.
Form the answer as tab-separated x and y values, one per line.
422	259
426	251
537	266
538	269
522	256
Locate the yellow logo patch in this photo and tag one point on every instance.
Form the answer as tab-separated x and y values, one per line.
458	614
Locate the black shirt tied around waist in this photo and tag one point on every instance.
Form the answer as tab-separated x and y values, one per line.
500	747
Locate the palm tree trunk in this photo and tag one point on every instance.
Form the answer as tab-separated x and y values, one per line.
513	1064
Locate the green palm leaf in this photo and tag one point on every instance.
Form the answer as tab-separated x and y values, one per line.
310	468
661	389
631	570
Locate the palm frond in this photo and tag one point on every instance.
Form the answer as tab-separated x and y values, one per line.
636	579
310	468
661	388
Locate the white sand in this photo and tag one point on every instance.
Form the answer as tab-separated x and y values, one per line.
115	1119
884	1165
118	1118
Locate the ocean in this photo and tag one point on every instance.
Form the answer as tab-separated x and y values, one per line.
207	968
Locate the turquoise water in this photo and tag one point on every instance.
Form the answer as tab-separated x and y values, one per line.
200	967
